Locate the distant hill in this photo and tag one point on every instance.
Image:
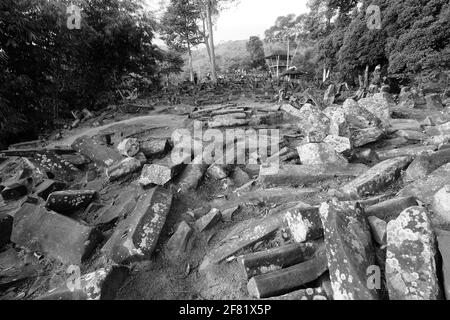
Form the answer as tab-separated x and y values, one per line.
227	53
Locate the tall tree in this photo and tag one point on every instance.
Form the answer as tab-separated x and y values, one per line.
211	8
255	48
180	28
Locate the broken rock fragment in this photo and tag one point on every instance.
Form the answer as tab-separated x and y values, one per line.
128	147
339	144
62	238
319	153
135	238
123	168
410	260
350	250
161	172
376	178
68	202
378	228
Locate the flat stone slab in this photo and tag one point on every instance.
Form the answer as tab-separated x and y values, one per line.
410	259
58	236
425	189
98	153
350	250
376	178
55	166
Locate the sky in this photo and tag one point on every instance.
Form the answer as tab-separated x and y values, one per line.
249	17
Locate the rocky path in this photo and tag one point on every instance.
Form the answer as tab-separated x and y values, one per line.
357	208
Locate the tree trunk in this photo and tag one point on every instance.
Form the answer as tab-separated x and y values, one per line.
211	41
288	53
191	69
208	49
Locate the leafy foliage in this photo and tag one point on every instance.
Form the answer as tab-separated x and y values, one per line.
47	70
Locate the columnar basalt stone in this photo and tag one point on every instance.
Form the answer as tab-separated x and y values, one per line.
339	144
425	189
350	250
290	278
49	186
14	191
411	135
55	166
339	126
244	235
177	245
266	261
310	294
362	137
376	178
70	201
227	121
411	151
390	209
155	148
404	124
358	117
125	167
319	153
410	260
295	175
209	220
135	238
190	178
379	230
425	164
380	105
303	224
443	239
163	171
102	284
62	238
98	153
441	203
6	224
310	120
